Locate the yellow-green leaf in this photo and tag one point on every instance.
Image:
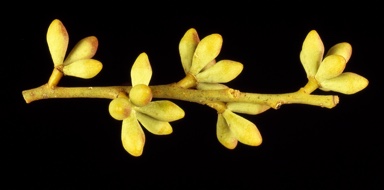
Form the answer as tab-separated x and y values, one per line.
245	131
153	125
84	49
332	66
247	108
210	64
224	134
132	136
141	71
163	110
206	51
187	46
221	72
84	68
312	53
346	83
343	49
57	39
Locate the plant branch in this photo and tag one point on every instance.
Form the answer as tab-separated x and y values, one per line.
174	91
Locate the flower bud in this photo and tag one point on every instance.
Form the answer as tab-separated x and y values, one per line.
120	108
140	95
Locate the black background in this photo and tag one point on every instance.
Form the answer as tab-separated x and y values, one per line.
75	144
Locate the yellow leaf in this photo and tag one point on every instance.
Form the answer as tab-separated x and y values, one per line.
163	110
206	51
84	49
187	46
247	108
224	135
346	83
57	39
332	66
245	131
141	71
210	64
153	125
221	72
132	136
343	49
84	68
312	53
